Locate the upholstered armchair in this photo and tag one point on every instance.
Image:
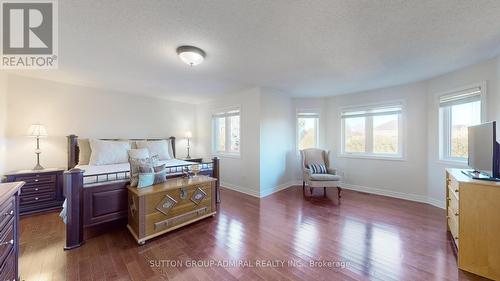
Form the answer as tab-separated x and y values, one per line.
329	178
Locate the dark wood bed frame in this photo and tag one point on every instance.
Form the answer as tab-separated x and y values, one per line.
100	203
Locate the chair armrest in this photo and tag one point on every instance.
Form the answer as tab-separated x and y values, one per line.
332	171
306	173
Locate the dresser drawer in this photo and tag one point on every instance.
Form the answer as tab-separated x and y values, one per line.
37	189
7	212
453	200
6	241
453	224
8	268
36	198
453	185
37	179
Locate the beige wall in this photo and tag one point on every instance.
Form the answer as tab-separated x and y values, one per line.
3	120
87	112
404	178
238	173
481	72
277	140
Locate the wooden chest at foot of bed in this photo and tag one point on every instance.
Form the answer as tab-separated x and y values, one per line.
158	209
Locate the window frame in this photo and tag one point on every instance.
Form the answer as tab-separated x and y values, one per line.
226	113
444	122
369	154
312	112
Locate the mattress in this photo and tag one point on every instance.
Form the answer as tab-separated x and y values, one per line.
100	173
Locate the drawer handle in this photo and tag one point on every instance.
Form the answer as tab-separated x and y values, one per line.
11	213
36	189
36	180
36	198
456	214
11	242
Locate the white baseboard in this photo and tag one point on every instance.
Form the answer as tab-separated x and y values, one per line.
436	203
394	194
253	192
241	189
269	191
371	190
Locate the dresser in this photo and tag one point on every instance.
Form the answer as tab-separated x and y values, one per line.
9	230
43	190
473	212
161	208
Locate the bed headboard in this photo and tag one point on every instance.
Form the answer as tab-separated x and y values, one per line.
74	150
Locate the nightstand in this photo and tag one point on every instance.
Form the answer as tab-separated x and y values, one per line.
43	190
197	160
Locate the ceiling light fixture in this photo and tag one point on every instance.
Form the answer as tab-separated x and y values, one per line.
191	55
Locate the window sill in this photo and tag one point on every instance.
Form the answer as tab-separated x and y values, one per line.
227	155
372	157
462	164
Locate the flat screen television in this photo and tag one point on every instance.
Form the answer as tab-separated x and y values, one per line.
484	151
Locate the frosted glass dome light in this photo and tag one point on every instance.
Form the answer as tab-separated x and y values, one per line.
191	55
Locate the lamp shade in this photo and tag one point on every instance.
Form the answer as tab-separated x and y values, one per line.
188	135
37	130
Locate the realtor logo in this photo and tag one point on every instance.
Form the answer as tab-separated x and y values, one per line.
29	34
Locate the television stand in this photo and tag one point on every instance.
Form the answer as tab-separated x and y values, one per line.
477	175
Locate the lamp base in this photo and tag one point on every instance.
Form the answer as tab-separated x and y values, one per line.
38	167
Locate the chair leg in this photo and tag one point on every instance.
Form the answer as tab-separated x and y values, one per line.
338	192
324	191
304	188
311	190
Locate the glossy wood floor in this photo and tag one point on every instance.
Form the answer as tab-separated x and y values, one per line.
369	237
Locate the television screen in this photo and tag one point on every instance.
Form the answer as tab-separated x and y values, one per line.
483	148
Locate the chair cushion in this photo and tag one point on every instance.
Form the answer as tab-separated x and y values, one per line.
317	168
324	177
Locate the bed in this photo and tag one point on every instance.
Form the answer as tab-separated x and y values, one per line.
97	194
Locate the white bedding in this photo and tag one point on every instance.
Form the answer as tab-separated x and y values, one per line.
91	172
102	169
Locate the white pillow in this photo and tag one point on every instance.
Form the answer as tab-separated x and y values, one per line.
108	152
159	148
140	153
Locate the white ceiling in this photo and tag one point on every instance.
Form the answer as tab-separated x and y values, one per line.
304	48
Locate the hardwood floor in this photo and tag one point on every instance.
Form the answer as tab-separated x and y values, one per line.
366	237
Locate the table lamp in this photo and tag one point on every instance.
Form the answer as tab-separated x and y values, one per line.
37	131
188	136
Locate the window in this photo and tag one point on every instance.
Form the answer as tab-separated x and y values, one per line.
226	132
372	131
307	130
457	111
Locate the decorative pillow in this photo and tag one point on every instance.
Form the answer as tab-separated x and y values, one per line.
84	155
318	168
141	165
160	175
150	178
138	153
159	148
145	180
108	152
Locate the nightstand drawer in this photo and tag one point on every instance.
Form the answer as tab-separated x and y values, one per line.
37	189
37	179
7	212
36	198
8	268
6	241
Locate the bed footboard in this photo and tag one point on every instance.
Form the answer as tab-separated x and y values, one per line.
102	202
